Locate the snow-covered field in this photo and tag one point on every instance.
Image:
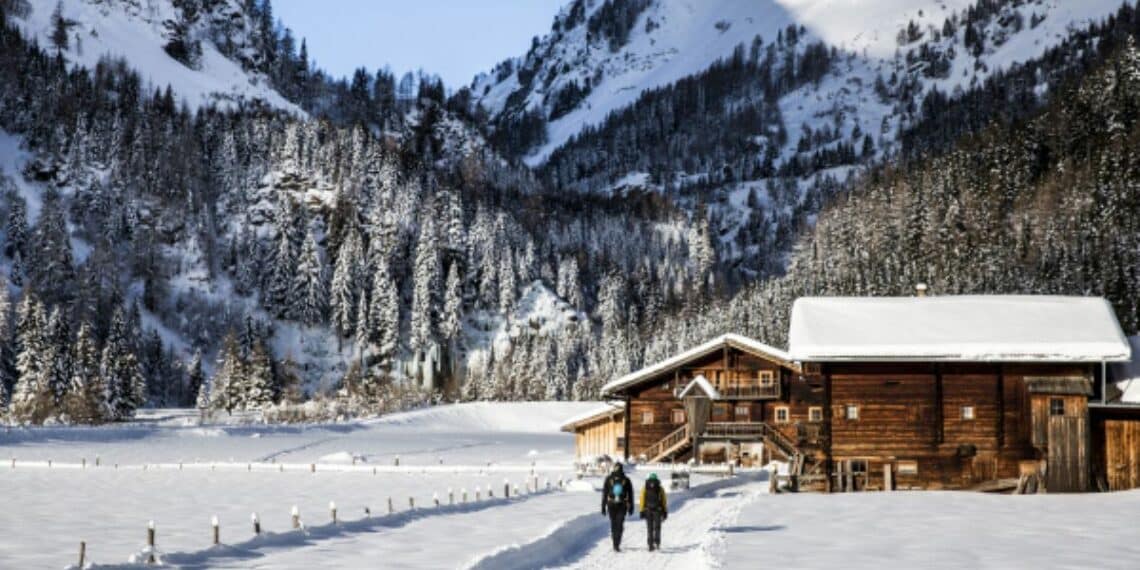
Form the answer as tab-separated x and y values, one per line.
233	471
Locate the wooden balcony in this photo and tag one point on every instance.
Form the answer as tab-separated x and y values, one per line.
749	392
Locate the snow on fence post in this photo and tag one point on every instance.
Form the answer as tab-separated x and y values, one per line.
477	493
256	524
506	488
296	517
435	498
391	509
217	530
82	553
450	496
150	542
332	511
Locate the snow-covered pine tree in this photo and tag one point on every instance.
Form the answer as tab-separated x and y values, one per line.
32	398
259	380
121	370
508	293
86	401
310	291
425	288
53	272
7	331
227	388
452	322
343	304
17	228
57	356
384	315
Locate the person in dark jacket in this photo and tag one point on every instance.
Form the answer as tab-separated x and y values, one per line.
617	502
654	508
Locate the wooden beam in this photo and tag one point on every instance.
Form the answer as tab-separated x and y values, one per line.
939	421
827	413
1001	406
628	412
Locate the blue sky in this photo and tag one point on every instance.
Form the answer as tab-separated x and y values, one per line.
452	38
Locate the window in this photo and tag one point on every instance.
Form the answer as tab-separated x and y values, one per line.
743	413
815	414
967	412
766	378
1056	407
851	412
678	416
782	415
646	418
908	467
857	466
720	410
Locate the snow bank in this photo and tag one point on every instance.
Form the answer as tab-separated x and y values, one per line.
519	417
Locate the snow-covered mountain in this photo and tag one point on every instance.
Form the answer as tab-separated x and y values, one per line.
602	55
203	49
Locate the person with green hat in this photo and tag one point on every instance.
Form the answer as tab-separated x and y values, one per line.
654	509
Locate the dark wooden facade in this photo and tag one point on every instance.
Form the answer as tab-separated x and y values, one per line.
876	425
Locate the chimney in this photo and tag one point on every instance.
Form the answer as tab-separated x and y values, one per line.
920	289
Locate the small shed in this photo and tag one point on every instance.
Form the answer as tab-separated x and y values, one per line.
598	431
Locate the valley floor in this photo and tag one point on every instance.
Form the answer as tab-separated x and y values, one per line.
234	471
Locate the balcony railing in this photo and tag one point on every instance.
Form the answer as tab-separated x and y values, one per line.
748	391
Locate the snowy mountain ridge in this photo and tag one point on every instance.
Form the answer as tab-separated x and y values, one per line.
578	76
149	34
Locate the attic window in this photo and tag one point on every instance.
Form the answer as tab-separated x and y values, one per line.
968	412
851	412
646	418
678	416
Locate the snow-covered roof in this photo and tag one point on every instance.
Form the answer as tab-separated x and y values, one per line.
593	414
732	340
703	383
966	328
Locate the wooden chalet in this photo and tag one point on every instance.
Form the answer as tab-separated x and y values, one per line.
597	432
952	392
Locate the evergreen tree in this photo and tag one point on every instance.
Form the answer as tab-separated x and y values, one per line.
343	304
261	390
197	378
425	292
86	400
228	387
126	385
310	292
32	398
384	315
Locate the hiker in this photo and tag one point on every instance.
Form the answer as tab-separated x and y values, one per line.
654	509
617	502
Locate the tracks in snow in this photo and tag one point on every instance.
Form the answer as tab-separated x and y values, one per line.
690	538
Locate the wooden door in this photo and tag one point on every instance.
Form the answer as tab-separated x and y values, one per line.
1067	466
1122	454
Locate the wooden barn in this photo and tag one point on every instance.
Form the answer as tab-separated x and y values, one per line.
597	433
951	392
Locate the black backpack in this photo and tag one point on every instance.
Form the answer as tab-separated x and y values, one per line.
652	495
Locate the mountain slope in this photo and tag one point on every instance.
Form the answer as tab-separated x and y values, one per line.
578	75
140	32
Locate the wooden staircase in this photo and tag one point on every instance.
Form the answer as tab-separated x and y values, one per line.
669	445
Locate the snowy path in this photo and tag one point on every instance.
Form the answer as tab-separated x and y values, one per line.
690	538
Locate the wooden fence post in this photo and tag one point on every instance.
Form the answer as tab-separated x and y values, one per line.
150	542
435	497
506	489
464	491
217	530
888	478
85	463
411	503
256	524
296	517
312	468
391	509
332	511
477	493
82	553
397	461
367	513
450	496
